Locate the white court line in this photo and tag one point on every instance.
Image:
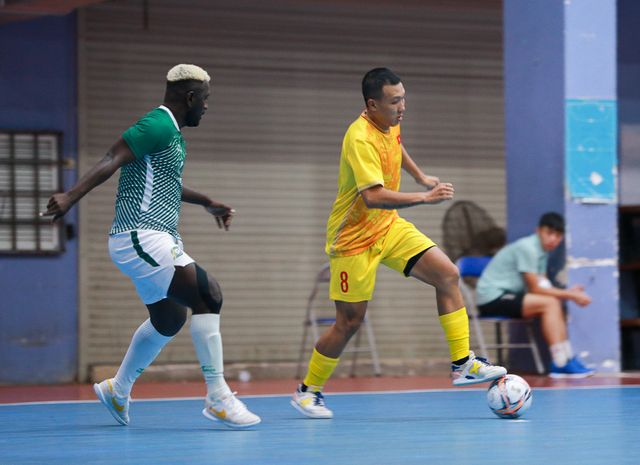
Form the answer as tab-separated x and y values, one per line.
345	393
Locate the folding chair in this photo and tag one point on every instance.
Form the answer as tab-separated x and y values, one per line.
313	321
470	270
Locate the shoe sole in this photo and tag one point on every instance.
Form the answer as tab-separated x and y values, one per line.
467	382
570	375
227	423
104	402
295	405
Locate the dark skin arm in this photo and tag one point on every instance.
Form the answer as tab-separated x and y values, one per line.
223	213
118	155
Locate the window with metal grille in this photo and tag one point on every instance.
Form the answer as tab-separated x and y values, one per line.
30	171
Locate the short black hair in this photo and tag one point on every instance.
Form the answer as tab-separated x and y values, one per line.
375	80
552	220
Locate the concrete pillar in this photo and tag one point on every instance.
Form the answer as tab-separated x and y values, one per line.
561	135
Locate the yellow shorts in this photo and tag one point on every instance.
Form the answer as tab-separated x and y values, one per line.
353	278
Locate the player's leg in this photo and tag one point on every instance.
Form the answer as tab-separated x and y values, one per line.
549	310
351	287
146	257
349	317
308	398
435	268
564	364
193	287
166	319
412	253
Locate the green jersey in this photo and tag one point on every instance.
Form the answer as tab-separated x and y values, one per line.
150	188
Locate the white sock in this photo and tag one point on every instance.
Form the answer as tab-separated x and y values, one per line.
145	346
205	333
568	350
559	353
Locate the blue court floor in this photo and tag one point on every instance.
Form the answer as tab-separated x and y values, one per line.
564	426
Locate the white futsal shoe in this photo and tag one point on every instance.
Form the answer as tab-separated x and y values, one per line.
475	370
231	411
310	404
118	406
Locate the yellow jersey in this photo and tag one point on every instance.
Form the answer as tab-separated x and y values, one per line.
369	157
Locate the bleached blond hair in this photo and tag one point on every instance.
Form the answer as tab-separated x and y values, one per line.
187	72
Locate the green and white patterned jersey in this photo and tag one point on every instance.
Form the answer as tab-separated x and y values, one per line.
150	188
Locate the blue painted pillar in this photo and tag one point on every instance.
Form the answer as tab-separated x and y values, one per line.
591	201
561	133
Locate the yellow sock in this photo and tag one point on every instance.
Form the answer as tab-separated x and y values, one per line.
320	369
456	330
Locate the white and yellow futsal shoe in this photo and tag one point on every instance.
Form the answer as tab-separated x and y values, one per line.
310	404
475	370
118	406
230	411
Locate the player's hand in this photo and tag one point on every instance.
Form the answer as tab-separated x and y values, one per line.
428	181
58	205
581	298
441	192
222	213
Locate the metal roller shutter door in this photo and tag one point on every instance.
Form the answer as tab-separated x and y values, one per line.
286	79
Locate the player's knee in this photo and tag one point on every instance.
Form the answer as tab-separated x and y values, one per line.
549	301
555	305
351	324
168	321
210	292
352	327
550	305
448	278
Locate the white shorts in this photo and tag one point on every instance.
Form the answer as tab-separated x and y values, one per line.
149	258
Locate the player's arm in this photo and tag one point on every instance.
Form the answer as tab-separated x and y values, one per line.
414	170
379	197
535	286
222	213
118	155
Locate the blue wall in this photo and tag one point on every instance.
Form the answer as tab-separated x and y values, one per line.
39	303
534	112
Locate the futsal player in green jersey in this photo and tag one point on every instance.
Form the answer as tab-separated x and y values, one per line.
145	245
364	230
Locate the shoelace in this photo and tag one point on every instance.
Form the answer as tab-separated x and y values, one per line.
231	401
319	399
236	403
483	360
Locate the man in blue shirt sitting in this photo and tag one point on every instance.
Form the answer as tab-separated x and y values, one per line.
515	285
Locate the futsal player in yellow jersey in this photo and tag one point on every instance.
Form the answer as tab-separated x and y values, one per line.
364	230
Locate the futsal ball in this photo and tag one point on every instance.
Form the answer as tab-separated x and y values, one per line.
509	396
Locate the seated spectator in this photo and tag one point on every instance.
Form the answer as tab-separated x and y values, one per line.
515	285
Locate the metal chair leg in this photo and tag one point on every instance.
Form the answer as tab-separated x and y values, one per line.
373	348
534	350
303	345
499	342
354	359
